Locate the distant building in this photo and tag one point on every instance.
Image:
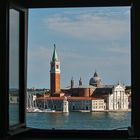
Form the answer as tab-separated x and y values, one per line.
55	73
118	100
75	103
94	97
13	99
128	92
114	97
82	91
98	105
65	105
13	96
95	80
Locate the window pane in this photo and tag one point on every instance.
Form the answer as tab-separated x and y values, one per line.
14	68
89	76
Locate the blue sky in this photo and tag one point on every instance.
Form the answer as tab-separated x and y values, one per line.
86	39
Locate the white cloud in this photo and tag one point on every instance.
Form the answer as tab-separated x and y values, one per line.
90	26
107	49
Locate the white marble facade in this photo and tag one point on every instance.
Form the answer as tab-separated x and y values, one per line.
118	99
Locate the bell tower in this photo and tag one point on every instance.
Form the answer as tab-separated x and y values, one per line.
55	73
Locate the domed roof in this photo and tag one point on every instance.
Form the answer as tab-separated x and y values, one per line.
95	80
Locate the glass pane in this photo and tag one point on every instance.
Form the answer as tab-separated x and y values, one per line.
14	68
87	85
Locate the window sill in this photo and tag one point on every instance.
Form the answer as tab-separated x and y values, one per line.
30	133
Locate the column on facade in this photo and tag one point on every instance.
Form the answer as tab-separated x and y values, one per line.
116	100
120	104
123	99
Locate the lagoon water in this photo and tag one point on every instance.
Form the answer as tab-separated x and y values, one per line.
73	120
79	120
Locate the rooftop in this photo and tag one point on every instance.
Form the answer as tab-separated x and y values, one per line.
68	98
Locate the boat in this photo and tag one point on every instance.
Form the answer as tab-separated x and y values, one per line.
48	110
44	109
31	105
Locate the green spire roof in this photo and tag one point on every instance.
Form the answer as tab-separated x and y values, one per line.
55	57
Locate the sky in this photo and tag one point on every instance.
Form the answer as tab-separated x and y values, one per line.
86	39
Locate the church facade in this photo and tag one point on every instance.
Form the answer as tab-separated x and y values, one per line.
115	97
118	100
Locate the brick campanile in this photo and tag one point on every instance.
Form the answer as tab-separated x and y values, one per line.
55	73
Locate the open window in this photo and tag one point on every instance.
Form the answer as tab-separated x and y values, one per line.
19	43
13	75
85	38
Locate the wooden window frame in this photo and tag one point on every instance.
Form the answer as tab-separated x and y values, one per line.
21	129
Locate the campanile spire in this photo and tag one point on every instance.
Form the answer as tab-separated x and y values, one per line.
55	73
55	56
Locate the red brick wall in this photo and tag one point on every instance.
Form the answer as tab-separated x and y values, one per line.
84	92
55	82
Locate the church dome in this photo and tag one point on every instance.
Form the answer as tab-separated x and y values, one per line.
95	80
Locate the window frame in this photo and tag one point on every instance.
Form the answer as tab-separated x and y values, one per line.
5	128
23	32
4	50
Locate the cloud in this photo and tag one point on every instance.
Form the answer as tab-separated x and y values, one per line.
85	41
91	26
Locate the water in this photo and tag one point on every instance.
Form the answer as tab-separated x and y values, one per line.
13	114
73	120
79	120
